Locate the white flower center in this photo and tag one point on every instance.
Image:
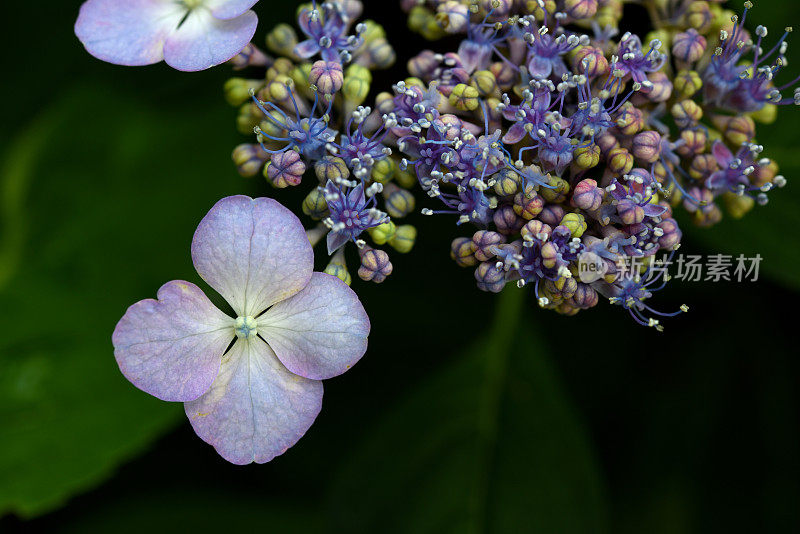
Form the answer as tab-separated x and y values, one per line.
191	4
246	327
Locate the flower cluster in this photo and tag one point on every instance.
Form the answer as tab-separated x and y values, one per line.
562	145
565	149
307	112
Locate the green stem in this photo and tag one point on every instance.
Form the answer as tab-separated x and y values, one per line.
502	334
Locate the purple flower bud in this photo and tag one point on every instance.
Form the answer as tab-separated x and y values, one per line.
552	214
586	195
580	9
694	142
688	46
375	265
536	230
630	212
630	119
672	234
499	8
584	297
285	169
562	288
453	16
327	76
249	159
526	206
661	89
489	277
590	61
462	251
503	73
506	220
607	143
485	242
647	146
331	168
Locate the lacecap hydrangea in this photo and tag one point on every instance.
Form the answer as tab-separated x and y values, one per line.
557	142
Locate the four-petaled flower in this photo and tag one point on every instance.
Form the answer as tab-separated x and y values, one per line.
190	35
254	398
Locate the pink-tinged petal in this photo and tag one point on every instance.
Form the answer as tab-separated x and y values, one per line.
172	347
256	409
306	49
254	252
515	134
722	154
320	332
229	9
203	41
127	32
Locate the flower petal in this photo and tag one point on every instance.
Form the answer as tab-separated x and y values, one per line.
229	9
172	347
306	49
336	240
722	154
320	332
256	409
127	32
515	134
203	41
254	252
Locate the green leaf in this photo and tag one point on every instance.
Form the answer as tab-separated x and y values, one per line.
184	509
97	213
489	445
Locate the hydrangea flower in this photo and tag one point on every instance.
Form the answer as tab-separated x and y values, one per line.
251	384
190	35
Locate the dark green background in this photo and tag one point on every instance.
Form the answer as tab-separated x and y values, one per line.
466	415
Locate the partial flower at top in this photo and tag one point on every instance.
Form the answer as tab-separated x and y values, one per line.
251	385
190	35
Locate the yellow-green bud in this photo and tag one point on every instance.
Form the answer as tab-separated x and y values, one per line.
765	115
357	80
398	202
382	233
381	53
575	222
586	157
507	183
337	267
404	238
738	205
280	66
464	97
331	168
300	75
237	90
558	192
485	82
247	119
383	170
282	40
688	82
406	179
372	31
314	205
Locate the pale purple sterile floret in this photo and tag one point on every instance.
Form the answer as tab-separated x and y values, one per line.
293	328
190	35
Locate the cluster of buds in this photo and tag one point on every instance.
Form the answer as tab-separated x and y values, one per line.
563	149
566	152
308	114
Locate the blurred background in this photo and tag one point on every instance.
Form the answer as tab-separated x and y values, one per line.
454	421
